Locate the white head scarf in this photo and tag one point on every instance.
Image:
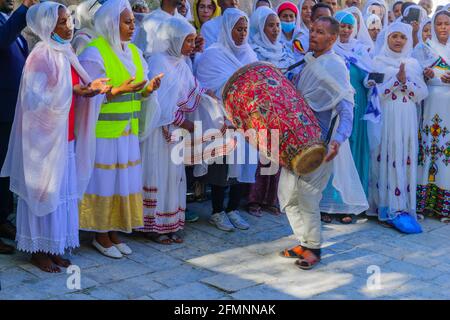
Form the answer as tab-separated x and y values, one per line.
374	20
255	3
440	49
420	32
303	28
264	48
388	61
38	146
382	3
222	59
362	34
106	22
178	79
230	18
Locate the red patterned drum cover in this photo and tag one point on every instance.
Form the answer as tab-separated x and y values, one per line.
258	96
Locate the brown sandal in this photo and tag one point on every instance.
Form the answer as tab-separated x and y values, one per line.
295	252
307	260
273	210
161	239
176	238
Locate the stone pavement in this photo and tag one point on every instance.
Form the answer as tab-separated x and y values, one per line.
212	264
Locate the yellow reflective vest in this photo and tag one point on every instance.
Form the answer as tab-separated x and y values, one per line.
116	114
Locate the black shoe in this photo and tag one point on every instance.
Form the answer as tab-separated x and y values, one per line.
8	231
5	248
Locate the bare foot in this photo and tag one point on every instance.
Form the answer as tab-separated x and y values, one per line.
60	261
43	262
114	237
104	240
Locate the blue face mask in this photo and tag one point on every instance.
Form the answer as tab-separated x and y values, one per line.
287	26
58	39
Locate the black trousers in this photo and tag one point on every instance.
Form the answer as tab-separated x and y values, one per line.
218	197
6	196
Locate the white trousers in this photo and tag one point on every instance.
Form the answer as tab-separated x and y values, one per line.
300	197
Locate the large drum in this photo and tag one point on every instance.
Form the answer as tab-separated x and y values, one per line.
258	96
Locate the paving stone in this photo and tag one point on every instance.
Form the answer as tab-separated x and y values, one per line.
104	293
412	270
180	275
262	292
191	291
136	287
154	260
23	292
116	270
14	277
229	282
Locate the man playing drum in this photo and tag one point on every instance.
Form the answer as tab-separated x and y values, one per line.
324	82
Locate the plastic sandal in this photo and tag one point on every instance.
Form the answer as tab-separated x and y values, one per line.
307	260
294	252
325	217
341	219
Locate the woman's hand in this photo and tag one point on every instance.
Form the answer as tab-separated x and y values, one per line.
188	125
100	85
446	78
199	43
371	83
333	150
128	87
85	91
401	75
153	85
428	73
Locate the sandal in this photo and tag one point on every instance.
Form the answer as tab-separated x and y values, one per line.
343	219
274	210
255	210
445	220
325	217
161	239
386	224
307	260
176	238
295	252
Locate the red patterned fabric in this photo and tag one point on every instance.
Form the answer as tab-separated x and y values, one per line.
75	81
259	96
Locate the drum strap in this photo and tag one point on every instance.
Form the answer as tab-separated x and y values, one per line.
330	131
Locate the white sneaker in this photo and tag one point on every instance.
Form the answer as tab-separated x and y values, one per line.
111	252
237	220
221	221
123	248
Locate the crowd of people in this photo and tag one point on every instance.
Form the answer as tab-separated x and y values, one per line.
91	117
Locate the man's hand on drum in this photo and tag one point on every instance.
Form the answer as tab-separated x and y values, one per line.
188	125
333	149
211	93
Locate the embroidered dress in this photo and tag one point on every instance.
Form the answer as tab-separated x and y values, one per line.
113	197
396	157
179	98
433	190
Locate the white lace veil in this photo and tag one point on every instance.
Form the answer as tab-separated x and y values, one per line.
37	154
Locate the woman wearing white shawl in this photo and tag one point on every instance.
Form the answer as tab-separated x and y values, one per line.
359	64
377	7
362	33
433	173
140	11
274	52
182	101
213	69
84	19
113	198
41	158
402	88
261	3
374	26
263	193
301	42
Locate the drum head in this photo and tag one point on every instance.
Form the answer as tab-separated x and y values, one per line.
309	159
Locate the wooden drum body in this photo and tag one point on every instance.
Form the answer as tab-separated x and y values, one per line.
258	96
